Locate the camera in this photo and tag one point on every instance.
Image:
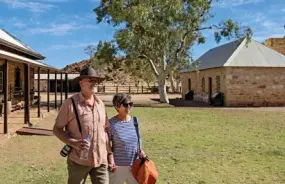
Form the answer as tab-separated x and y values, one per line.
65	150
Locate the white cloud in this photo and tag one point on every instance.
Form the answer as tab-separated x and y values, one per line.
19	24
61	29
268	29
71	46
55	1
232	3
31	6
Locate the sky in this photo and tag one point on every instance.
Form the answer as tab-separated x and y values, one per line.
61	29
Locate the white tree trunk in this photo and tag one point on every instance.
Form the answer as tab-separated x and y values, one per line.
160	77
163	97
177	85
172	82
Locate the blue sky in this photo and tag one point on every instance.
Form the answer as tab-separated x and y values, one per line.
61	29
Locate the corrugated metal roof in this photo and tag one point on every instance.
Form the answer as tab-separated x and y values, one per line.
238	54
9	38
12	42
13	56
255	55
70	76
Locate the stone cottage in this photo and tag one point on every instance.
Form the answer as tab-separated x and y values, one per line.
18	63
246	74
277	44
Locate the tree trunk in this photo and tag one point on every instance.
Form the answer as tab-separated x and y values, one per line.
177	85
172	82
163	97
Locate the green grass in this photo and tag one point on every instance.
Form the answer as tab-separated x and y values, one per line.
188	146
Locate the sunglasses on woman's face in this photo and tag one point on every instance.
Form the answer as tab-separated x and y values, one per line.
126	105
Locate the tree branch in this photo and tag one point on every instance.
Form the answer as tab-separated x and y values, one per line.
182	42
151	63
209	27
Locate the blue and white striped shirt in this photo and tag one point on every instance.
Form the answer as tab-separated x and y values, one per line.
123	137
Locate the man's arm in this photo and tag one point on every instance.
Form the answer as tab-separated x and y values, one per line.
62	121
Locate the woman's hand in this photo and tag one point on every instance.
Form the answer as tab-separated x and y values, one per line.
141	154
111	163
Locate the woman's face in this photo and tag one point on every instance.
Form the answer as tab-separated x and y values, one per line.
125	108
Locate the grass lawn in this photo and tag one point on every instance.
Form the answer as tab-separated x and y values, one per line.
188	146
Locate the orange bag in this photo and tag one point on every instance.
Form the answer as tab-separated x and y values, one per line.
144	171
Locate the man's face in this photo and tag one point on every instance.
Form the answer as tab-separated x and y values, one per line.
88	85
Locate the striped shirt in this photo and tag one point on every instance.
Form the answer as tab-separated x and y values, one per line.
123	137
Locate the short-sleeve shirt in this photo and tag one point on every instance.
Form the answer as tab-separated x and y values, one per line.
124	140
94	124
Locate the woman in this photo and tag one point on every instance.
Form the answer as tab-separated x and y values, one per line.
123	142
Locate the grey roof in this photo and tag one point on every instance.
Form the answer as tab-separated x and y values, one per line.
238	54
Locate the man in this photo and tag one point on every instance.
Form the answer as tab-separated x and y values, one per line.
93	120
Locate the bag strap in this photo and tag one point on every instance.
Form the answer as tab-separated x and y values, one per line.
137	130
76	115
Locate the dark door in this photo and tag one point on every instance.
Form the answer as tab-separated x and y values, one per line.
210	89
189	84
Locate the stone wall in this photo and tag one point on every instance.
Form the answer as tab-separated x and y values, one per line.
255	86
277	44
43	85
196	82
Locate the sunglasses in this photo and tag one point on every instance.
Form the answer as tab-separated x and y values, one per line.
92	80
126	105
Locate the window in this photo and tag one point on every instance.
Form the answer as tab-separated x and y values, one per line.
17	79
218	84
1	81
203	85
189	84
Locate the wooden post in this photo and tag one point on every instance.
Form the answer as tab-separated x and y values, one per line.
27	93
66	86
48	89
142	89
5	88
61	88
129	89
117	89
104	89
39	92
55	89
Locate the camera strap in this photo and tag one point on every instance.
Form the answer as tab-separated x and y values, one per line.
76	115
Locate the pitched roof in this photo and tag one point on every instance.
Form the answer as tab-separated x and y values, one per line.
240	54
12	42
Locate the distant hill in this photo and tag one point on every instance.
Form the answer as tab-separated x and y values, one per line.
76	67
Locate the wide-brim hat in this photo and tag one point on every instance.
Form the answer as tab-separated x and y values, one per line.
89	72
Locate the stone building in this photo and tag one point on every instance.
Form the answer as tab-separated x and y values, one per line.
18	56
277	44
247	75
18	64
